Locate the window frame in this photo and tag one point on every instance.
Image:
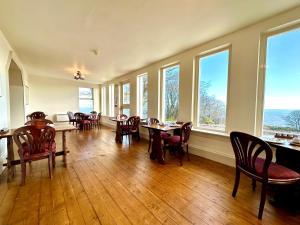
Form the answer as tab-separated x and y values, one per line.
103	100
111	100
161	104
92	98
125	106
138	95
262	71
197	78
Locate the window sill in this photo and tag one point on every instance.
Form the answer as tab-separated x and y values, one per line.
211	132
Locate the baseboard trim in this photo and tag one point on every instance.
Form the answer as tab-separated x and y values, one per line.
225	159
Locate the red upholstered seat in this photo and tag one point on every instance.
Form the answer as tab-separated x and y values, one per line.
43	152
275	171
173	140
164	135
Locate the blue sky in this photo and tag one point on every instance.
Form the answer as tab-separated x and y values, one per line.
282	85
214	69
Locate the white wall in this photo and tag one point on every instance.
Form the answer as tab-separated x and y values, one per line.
54	96
242	85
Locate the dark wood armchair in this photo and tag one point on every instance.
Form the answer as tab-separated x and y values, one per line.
131	128
71	117
180	142
82	121
247	148
37	115
35	143
99	120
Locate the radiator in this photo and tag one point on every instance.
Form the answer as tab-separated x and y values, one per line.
62	117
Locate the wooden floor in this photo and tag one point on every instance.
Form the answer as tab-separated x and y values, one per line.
108	183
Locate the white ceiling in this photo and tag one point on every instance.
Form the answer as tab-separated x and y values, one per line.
55	37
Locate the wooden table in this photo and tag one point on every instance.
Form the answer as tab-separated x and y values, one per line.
11	162
157	151
119	122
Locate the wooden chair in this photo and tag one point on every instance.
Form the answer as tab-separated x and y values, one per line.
93	119
71	117
99	120
247	148
37	115
35	143
164	135
82	121
131	128
180	142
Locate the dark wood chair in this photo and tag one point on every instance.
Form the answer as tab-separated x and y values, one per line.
131	128
35	143
99	120
71	117
82	121
180	142
93	118
164	135
247	148
37	115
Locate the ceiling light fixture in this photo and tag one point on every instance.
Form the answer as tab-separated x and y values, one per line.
78	76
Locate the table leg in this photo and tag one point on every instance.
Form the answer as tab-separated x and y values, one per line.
64	147
118	137
10	157
157	151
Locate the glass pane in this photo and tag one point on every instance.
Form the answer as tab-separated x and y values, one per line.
111	100
86	93
126	112
103	100
171	93
213	77
86	105
282	92
143	96
126	93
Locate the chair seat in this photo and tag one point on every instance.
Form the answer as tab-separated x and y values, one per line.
164	135
38	155
276	171
173	140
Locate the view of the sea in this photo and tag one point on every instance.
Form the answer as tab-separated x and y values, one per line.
275	117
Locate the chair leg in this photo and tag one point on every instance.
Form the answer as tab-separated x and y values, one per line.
53	159
187	152
49	165
253	184
262	200
236	182
149	146
23	169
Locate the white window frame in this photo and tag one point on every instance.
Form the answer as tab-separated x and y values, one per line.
103	100
139	96
111	100
162	91
125	106
262	71
196	88
92	89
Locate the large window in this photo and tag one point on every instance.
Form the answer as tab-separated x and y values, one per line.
103	101
212	80
111	100
142	96
282	82
170	93
86	100
126	99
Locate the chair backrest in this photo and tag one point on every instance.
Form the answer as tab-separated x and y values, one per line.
246	150
33	140
99	116
37	115
134	122
152	121
39	123
79	116
93	112
70	115
122	117
185	132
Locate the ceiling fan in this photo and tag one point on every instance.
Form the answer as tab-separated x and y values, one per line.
78	76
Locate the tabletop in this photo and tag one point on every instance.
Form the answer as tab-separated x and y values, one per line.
162	127
118	120
283	143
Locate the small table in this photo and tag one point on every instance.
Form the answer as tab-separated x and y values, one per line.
118	137
11	162
157	151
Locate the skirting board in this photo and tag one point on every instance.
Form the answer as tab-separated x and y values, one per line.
214	156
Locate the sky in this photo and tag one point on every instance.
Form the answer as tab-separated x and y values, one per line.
282	84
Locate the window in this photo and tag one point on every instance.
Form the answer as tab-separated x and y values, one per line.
111	100
211	81
103	101
142	96
126	99
170	93
281	111
86	100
